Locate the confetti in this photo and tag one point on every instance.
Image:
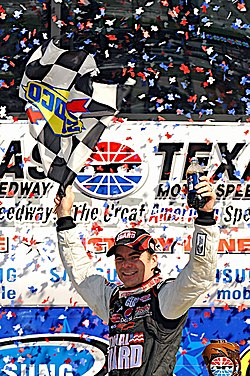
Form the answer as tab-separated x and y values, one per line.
123	41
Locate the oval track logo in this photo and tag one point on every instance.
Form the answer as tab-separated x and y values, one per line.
53	355
222	366
114	170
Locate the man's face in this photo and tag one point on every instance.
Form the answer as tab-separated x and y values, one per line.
134	267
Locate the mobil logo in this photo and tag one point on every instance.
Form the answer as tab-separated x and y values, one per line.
53	355
114	170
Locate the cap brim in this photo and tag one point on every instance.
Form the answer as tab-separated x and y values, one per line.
112	250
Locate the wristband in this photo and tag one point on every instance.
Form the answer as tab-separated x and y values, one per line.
205	218
65	223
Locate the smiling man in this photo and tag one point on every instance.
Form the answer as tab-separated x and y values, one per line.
133	264
146	314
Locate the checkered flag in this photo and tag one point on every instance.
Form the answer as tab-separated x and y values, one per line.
67	109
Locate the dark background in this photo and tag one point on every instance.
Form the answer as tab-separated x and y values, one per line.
190	58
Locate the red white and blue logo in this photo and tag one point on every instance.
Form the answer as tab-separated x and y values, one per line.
114	170
222	366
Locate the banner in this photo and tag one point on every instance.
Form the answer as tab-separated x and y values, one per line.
69	341
135	177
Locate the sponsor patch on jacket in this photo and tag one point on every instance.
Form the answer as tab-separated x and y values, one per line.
200	244
123	293
125	351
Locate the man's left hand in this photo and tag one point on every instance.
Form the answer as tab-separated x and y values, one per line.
205	189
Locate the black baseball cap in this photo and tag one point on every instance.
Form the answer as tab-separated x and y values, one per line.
135	238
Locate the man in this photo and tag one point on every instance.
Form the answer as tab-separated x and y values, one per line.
146	315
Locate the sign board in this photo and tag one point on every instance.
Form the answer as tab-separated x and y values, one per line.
135	177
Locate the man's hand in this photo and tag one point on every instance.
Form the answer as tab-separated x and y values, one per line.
205	189
64	204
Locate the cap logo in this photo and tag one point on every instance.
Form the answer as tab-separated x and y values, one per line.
126	234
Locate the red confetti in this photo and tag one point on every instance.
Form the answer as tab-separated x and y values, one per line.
67	361
242	307
96	228
168	135
6	37
192	98
11	193
45	300
184	68
111	37
226	307
242	342
204	341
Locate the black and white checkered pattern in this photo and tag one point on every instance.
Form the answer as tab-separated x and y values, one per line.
63	157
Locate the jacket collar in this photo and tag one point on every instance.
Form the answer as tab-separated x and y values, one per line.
124	292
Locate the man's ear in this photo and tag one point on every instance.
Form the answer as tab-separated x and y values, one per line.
154	257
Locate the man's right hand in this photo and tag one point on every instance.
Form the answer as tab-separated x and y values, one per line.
64	204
